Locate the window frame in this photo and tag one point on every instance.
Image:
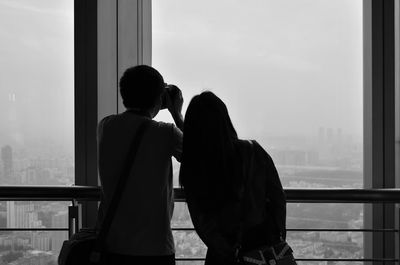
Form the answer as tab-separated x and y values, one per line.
110	35
379	122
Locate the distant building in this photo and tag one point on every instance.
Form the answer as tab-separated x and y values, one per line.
6	241
22	215
29	176
59	220
312	158
295	157
329	135
41	241
7	159
339	136
36	257
321	135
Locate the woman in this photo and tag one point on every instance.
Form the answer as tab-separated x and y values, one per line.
223	197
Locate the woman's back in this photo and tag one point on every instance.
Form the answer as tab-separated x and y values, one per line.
259	203
231	185
264	201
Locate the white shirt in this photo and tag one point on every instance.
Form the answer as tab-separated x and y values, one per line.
142	223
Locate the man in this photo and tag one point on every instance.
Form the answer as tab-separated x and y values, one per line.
140	232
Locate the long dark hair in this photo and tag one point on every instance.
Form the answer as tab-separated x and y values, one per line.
209	167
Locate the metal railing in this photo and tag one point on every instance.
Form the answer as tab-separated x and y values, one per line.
92	193
73	194
78	194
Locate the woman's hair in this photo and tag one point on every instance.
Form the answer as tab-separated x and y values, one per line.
209	167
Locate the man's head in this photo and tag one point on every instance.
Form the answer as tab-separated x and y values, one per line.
141	88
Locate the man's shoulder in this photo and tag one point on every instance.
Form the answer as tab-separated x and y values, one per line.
165	128
121	120
162	124
106	120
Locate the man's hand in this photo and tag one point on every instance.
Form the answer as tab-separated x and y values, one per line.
174	102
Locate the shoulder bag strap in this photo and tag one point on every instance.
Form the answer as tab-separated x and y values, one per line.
128	165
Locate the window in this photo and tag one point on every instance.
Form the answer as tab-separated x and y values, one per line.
291	75
37	92
37	122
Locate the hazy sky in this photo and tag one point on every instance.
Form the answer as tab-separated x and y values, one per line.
283	67
36	71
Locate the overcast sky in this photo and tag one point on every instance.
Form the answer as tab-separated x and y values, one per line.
283	67
36	71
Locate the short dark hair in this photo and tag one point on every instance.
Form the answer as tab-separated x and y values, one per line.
141	86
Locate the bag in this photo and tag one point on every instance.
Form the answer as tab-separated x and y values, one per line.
77	249
87	246
278	254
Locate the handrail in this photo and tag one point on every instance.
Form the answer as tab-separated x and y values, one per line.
50	193
332	195
93	193
343	195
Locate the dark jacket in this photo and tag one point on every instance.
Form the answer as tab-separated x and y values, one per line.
264	207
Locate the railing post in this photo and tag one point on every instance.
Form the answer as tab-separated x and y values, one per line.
74	218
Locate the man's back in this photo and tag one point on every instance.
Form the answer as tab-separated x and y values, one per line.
141	225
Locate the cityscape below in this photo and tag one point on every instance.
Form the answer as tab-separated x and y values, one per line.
330	159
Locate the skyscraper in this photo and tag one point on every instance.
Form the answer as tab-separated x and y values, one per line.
22	215
6	157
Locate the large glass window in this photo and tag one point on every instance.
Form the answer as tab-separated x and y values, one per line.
290	73
36	122
37	92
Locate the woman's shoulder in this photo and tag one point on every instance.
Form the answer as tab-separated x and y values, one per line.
249	143
258	150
